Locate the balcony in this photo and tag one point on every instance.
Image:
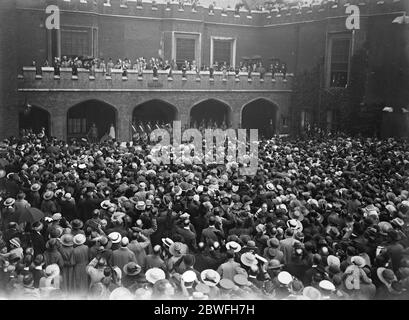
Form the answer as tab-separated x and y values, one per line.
84	81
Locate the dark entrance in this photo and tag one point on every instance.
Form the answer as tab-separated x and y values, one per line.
260	114
82	116
210	113
154	112
34	119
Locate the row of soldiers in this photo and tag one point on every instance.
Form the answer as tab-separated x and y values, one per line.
141	130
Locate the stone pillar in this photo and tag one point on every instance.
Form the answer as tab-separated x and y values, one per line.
235	116
124	120
58	125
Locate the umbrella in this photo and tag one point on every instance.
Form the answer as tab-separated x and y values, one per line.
30	215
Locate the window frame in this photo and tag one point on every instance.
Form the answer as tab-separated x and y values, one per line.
92	33
330	41
233	42
197	36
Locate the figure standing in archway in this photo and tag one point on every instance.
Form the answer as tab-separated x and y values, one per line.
112	131
93	133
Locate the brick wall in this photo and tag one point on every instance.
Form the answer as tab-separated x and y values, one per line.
8	81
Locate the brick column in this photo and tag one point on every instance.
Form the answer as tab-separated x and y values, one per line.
123	124
8	66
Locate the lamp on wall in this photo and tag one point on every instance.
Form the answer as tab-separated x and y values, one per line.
404	19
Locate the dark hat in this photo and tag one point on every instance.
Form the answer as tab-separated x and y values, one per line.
77	224
189	260
132	269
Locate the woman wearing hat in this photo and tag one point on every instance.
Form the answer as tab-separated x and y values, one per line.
48	205
50	284
52	255
34	196
67	253
81	258
386	290
7	212
76	227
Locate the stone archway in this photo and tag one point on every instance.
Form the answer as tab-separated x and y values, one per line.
209	112
83	115
155	111
35	118
260	114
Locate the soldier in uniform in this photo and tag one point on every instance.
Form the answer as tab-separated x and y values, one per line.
93	133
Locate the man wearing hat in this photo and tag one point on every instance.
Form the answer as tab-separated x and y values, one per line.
188	233
138	246
48	205
37	238
34	196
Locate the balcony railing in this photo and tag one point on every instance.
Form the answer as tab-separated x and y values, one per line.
99	80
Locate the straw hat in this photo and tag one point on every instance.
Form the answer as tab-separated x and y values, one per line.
115	237
177	249
189	276
155	274
233	245
79	239
284	278
248	259
210	277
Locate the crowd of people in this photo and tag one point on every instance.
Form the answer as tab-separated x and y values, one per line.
323	218
155	64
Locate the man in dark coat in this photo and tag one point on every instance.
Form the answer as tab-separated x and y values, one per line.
37	239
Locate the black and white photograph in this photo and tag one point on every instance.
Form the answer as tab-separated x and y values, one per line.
203	155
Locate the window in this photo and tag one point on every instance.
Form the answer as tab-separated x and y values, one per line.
77	126
76	42
339	64
222	51
185	50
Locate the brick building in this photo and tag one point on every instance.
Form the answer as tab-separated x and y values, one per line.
334	74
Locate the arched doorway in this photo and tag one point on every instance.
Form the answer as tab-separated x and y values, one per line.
260	114
34	119
82	116
210	113
153	113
